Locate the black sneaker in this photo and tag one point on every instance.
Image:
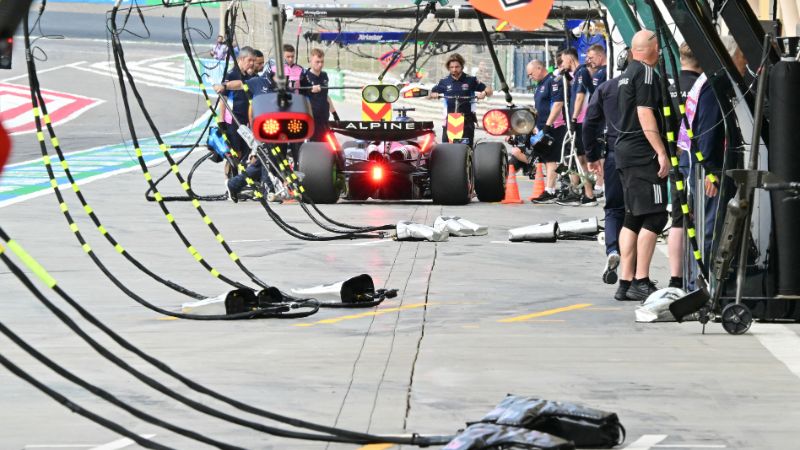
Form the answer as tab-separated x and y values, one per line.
586	201
546	197
569	200
610	272
231	193
641	289
622	291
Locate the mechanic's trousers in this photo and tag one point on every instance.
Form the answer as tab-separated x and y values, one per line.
256	171
615	203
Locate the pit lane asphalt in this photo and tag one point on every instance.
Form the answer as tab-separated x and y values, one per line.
476	317
443	352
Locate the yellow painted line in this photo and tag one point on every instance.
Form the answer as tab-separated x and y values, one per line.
549	312
361	315
167	318
376	447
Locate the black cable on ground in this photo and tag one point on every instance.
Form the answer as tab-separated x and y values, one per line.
119	362
48	280
38	104
105	395
119	64
78	409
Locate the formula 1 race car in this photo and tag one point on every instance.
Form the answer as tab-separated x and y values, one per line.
400	160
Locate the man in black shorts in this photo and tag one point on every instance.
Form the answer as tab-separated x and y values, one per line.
641	158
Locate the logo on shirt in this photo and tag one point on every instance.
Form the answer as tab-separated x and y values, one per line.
449	86
465	86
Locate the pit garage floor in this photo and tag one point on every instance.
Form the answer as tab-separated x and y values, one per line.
476	318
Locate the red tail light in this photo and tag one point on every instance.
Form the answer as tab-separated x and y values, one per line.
271	127
333	144
377	173
495	122
427	142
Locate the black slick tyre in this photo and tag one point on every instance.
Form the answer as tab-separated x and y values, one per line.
318	164
491	168
451	174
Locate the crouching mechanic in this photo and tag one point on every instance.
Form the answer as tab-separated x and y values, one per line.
459	91
255	170
641	158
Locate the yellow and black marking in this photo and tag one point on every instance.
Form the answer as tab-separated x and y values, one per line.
43	115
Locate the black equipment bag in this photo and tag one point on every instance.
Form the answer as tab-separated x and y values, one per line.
586	427
490	436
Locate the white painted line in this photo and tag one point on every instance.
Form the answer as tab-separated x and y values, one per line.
120	443
56	446
689	446
41	71
364	244
646	442
782	342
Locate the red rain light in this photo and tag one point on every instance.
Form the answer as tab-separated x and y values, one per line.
377	173
495	122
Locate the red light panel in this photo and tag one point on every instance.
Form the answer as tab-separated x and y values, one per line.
495	122
377	173
271	127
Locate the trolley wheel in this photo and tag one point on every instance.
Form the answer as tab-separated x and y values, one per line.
736	318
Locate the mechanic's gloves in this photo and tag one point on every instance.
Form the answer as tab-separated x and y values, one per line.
548	129
335	116
573	124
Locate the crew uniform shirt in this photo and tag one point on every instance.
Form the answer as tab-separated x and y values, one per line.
320	108
464	86
581	83
542	100
600	76
261	84
601	115
638	86
687	78
557	95
240	99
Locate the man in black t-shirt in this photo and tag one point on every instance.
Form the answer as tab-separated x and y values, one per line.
641	158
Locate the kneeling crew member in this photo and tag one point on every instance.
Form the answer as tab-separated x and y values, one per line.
641	158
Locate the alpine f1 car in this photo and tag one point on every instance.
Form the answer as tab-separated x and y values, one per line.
400	160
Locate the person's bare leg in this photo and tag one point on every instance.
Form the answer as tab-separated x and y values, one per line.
627	253
675	252
645	247
551	176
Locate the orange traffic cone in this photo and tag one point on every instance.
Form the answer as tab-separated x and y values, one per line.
512	190
538	182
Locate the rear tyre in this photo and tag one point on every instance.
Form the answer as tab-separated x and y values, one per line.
491	168
451	174
318	164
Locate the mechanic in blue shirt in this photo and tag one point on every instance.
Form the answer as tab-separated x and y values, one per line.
596	62
256	171
240	104
314	84
580	89
460	91
551	98
542	93
599	136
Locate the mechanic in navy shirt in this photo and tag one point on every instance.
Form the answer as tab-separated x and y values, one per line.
258	85
554	129
598	129
455	86
580	89
596	62
542	79
314	84
240	105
